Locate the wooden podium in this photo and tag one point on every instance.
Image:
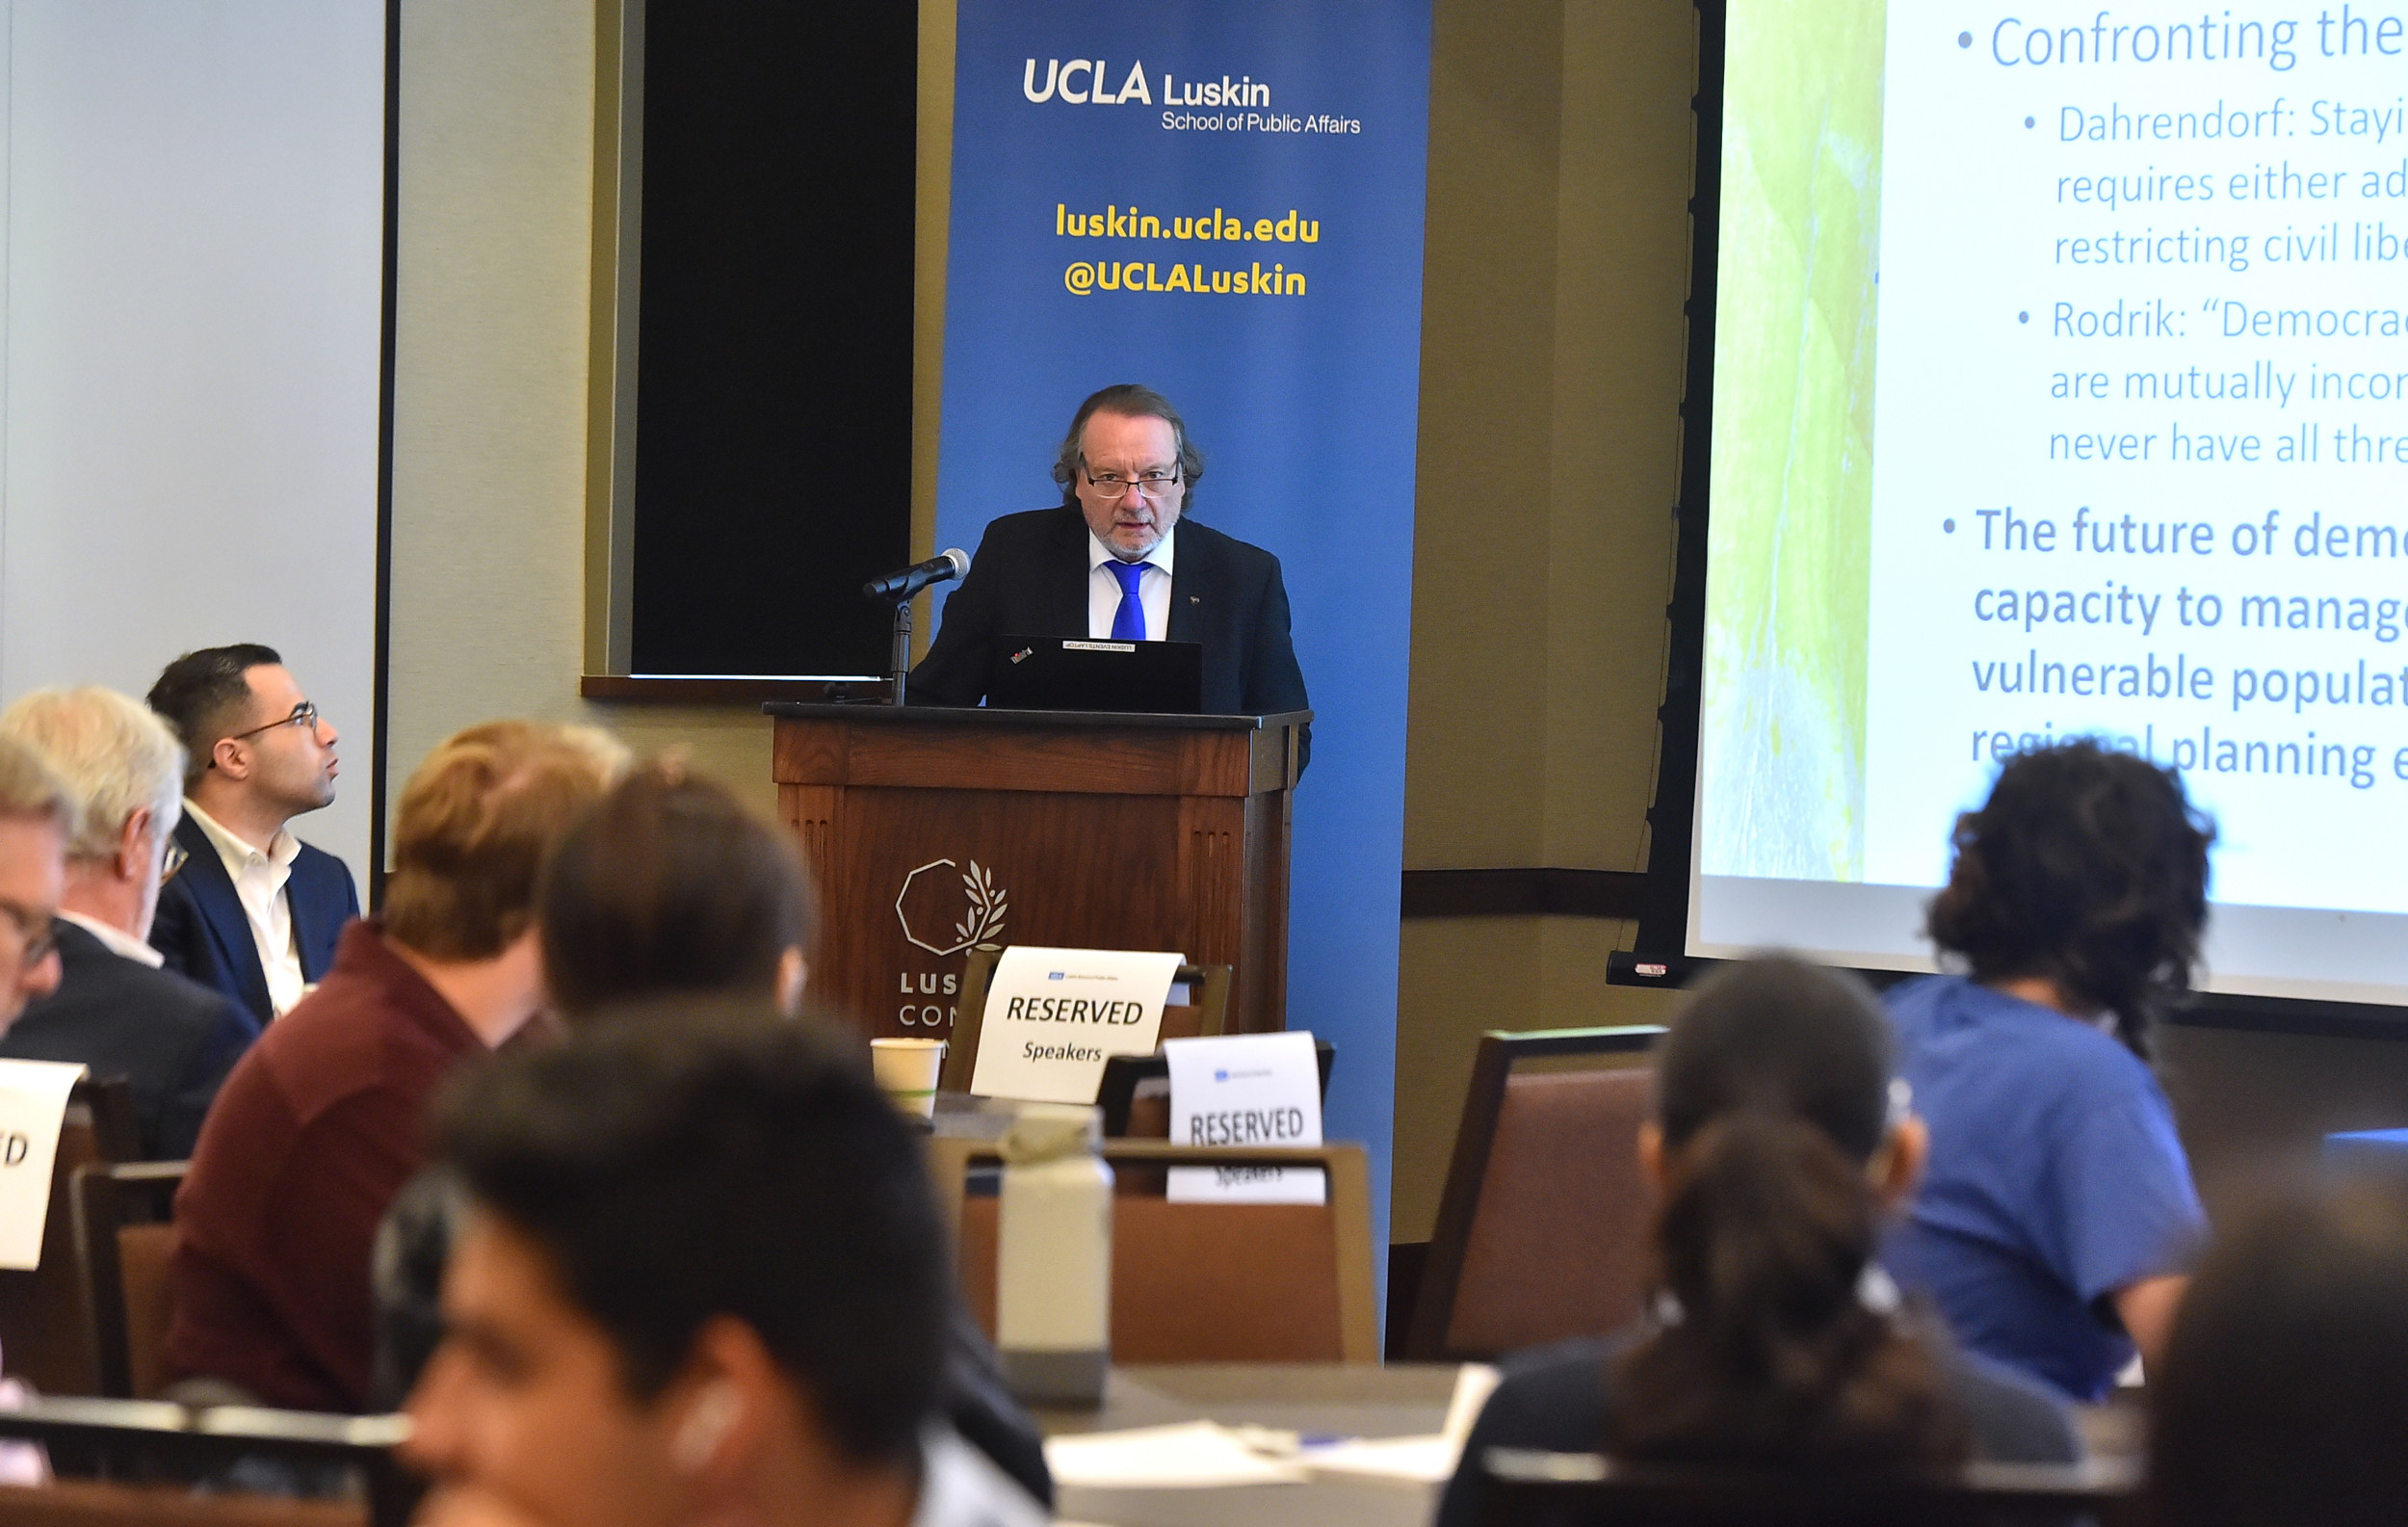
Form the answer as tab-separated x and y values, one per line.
931	828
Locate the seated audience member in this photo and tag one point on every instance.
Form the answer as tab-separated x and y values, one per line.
253	912
669	888
37	821
116	1011
37	817
2059	1213
322	1123
629	1338
1774	1338
2283	1396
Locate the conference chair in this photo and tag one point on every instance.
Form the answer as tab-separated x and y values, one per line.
45	1329
1206	1013
1203	1282
1541	1231
1580	1490
125	1232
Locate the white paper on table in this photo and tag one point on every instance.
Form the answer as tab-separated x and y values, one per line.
1413	1462
33	1105
1192	1455
1245	1089
1053	1017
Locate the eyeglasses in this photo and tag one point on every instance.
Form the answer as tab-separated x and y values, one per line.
38	934
1153	485
304	714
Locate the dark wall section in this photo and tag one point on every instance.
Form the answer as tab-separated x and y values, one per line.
773	380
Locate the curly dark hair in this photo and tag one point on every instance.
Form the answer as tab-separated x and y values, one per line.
2087	867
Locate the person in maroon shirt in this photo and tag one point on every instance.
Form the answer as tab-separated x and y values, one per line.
323	1121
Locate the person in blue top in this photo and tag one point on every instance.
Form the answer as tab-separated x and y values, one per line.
2058	1217
1772	1338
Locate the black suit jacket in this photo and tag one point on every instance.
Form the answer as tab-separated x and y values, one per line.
172	1039
1031	578
204	931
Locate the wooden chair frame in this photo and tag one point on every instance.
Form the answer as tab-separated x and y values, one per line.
1210	984
103	1197
950	1160
116	1127
1458	1208
1580	1488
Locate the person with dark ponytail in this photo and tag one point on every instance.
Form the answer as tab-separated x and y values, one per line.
2059	1215
1779	1147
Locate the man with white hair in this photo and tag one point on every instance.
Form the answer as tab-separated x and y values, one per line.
115	1010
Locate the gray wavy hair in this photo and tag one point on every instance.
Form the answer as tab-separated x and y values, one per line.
113	754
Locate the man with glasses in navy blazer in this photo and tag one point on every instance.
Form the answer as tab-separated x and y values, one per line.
1116	561
251	909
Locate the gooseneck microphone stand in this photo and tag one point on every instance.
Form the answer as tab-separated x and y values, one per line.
899	588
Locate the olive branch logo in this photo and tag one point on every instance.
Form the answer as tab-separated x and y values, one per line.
988	906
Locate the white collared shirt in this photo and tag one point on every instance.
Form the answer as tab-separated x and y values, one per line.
259	883
1103	597
116	940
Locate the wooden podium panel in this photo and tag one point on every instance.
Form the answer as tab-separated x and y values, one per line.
931	828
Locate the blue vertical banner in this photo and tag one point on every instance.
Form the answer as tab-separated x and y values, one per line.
1222	199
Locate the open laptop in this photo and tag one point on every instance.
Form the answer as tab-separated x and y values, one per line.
1054	672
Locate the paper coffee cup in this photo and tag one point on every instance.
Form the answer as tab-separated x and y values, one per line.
907	1071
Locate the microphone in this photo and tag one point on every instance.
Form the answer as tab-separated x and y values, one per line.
903	584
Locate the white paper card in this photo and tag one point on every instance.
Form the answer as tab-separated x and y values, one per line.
1245	1089
1053	1015
1192	1455
33	1105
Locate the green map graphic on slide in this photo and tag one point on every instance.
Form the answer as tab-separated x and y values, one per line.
1789	542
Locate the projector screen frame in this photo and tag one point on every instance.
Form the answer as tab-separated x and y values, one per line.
388	321
1659	957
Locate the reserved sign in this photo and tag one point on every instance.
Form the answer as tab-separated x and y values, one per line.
1053	1017
33	1105
1245	1089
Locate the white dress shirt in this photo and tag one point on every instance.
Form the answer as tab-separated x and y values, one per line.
259	882
1103	599
116	940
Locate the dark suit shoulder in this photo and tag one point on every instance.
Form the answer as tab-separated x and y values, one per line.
87	963
321	870
1241	555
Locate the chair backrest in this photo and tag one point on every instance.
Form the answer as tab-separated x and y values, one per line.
1541	1230
1207	1015
45	1327
125	1230
1580	1489
1205	1283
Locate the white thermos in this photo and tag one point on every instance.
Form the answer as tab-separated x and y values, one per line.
1054	1256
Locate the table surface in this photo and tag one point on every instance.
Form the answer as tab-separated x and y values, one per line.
1331	1399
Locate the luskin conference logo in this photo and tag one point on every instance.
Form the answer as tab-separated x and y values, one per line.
1093	74
974	904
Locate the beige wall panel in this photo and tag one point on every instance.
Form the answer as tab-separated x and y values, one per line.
489	390
1622	269
1475	770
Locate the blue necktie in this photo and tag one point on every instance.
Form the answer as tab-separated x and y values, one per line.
1129	621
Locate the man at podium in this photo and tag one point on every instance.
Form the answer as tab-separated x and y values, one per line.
1115	561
